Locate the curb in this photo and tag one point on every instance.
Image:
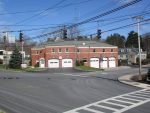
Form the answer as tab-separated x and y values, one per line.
126	79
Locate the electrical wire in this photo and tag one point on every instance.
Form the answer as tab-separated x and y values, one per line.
60	2
95	18
115	21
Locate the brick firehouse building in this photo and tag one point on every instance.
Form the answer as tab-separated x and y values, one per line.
64	54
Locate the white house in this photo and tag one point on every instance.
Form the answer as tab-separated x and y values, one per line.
4	53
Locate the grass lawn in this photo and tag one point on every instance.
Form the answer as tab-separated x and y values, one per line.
28	69
2	66
86	68
2	111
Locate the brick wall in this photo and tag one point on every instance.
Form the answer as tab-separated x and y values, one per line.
85	53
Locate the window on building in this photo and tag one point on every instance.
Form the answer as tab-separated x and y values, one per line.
78	50
60	50
112	50
103	50
37	52
53	50
1	53
122	50
94	50
84	60
42	61
67	50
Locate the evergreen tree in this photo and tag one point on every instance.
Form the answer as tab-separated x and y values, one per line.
16	59
132	40
116	39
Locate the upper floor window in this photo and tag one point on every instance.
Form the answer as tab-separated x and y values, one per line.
37	52
53	50
67	50
103	50
78	50
60	50
112	50
94	50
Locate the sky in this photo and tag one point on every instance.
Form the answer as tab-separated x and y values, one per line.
18	15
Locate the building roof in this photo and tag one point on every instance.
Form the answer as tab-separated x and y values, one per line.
78	44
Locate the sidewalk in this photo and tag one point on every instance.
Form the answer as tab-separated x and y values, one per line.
127	79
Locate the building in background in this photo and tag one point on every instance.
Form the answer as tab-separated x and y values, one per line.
65	54
130	55
3	54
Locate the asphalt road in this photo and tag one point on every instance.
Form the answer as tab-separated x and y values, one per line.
57	91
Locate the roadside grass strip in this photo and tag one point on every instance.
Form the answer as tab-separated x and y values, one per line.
117	104
2	111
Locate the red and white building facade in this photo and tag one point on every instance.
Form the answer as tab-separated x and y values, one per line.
64	54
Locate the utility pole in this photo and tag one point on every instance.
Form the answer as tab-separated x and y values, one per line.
5	37
139	18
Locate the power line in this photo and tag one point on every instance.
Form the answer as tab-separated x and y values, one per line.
100	8
121	27
116	21
31	11
20	12
121	16
64	6
96	17
106	13
104	31
86	21
101	20
33	29
60	2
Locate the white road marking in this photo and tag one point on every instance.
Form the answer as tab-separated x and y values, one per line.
109	108
144	98
131	99
92	110
123	101
137	97
116	104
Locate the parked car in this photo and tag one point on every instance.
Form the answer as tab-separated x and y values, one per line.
148	75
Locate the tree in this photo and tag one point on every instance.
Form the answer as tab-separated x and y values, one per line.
16	59
132	40
116	39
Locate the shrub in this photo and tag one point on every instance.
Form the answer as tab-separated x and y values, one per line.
79	62
148	56
145	61
122	62
1	61
37	64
